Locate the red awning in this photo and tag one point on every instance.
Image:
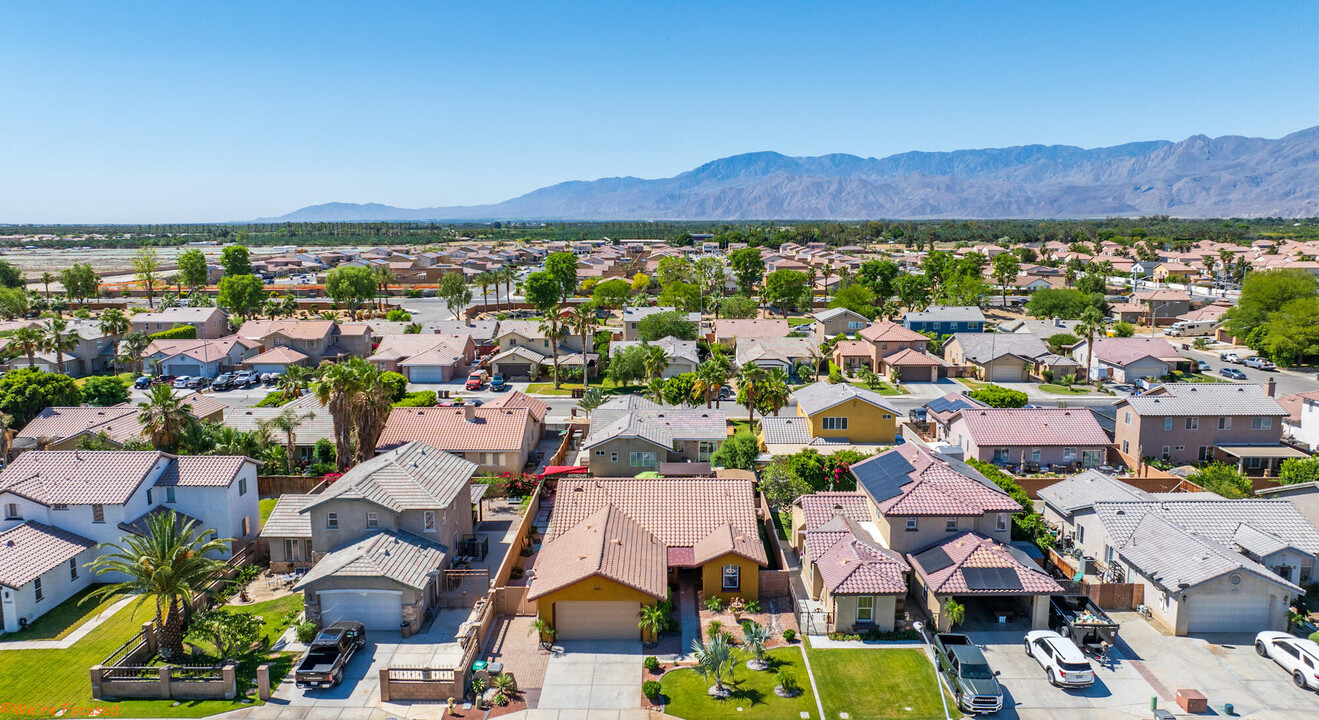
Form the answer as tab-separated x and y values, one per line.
565	470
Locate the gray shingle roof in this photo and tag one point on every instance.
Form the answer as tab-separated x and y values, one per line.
287	518
33	548
983	347
396	555
414	476
821	396
1090	487
786	430
673	347
786	349
1200	399
1171	556
661	425
1214	519
946	313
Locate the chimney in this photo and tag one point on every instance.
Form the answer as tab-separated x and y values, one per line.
469	413
1270	386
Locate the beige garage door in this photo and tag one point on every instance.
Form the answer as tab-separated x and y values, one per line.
595	620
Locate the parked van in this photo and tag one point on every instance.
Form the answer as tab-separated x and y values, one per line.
1191	328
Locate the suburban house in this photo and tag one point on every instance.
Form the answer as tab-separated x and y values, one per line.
614	545
383	534
1030	439
940	412
727	332
317	339
316	425
425	358
830	416
199	358
887	338
496	440
536	408
910	366
62	428
1163	307
211	322
1305	496
785	353
1198	422
93	352
1302	422
286	534
1126	360
838	321
945	319
1205	564
1173	272
996	357
60	505
682	354
524	351
482	332
632	317
631	435
853	356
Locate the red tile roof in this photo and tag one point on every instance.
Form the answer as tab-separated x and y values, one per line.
457	429
606	543
1033	426
518	399
853	567
911	358
889	331
819	508
935	487
969	550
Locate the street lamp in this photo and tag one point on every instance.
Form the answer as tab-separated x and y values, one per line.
920	628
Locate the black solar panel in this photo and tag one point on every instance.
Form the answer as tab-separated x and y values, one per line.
944	404
883	476
934	560
982	578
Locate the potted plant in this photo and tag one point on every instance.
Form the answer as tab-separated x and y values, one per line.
652	621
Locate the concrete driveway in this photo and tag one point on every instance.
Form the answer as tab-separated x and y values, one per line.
361	683
599	677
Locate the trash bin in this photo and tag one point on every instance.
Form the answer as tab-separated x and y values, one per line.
479	665
495	668
1229	709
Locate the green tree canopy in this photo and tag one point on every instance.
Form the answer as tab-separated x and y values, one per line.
11	276
236	260
878	275
666	324
1222	479
628	365
674	268
543	290
1264	293
562	266
860	299
739	451
27	391
241	294
1299	470
738	307
350	284
1000	397
612	293
787	290
13	302
1057	302
684	296
193	272
104	390
748	268
80	281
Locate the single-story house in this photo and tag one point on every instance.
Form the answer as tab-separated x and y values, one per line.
996	357
682	354
969	567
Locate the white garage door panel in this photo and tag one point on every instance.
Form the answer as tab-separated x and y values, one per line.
594	620
375	609
423	374
1228	613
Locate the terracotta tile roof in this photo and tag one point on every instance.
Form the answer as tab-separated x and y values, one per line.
78	477
1033	426
415	476
203	470
819	508
912	358
852	348
888	331
119	422
855	567
296	329
1123	351
203	405
1295	402
909	480
287	518
762	328
942	568
201	350
395	555
457	429
280	355
607	543
32	549
724	540
441	354
518	399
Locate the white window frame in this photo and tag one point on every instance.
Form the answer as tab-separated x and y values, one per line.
149	497
613	456
332	521
950	524
73	569
1192	423
1261	423
428	523
641	459
242	486
36	587
1080	534
1167	424
911	524
292	550
865	608
834	423
1127	418
1035	455
1069	455
11	511
1167	453
372	520
1001	522
704	449
1224	423
734	572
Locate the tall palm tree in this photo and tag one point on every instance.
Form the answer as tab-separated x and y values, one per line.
164	417
774	391
656	361
46	279
371	406
483	279
507	274
583	321
114	323
827	271
169	566
59	340
288	422
335	390
28	341
750	379
7	434
552	326
715	657
1091	323
131	349
383	280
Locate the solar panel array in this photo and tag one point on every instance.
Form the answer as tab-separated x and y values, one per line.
991	578
884	475
934	560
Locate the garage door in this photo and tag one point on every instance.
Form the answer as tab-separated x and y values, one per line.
1007	371
426	374
596	620
375	609
515	372
188	369
1228	613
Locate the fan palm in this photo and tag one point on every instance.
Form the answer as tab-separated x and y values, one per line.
59	340
371	407
591	399
652	620
754	637
335	391
774	391
583	321
1091	323
507	274
384	278
288	422
750	378
295	380
113	322
28	341
552	326
230	441
46	279
654	391
715	657
163	417
131	349
656	361
169	566
483	281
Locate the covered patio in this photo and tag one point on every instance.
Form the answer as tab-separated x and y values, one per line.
1257	459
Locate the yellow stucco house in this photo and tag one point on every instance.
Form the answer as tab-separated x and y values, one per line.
614	545
845	412
1173	272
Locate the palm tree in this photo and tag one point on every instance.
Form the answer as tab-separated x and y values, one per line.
583	321
656	360
591	399
507	274
371	407
1091	323
827	271
654	390
164	418
28	341
552	326
712	376
335	390
774	391
226	440
46	279
170	566
754	637
714	657
383	280
295	381
131	349
288	422
652	620
484	279
59	340
114	323
750	378
7	434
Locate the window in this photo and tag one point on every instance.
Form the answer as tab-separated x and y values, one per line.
1002	455
11	512
247	526
1261	423
428	520
292	550
59	506
865	608
641	459
1167	423
950	524
1108	553
911	524
732	577
149	496
835	423
1127	419
73	569
1001	522
1225	423
599	453
242	486
1192	423
613	457
1253	462
1167	453
1126	446
854	325
36	585
1206	453
1069	455
331	521
705	449
372	520
1080	533
98	513
169	494
1035	455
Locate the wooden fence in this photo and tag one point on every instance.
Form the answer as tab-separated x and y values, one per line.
276	485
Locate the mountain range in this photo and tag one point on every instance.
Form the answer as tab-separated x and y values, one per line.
1229	176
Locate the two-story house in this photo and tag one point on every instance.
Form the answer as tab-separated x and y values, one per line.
497	439
631	435
1201	422
838	321
211	322
1030	438
524	351
842	414
318	340
93	351
1302	422
945	319
60	506
382	534
632	317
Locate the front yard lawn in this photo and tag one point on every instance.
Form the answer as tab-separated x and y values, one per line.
565	388
685	692
267	506
64	618
973	384
795	321
878	684
1063	389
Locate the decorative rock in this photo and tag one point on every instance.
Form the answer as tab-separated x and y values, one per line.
778	690
757	665
718	692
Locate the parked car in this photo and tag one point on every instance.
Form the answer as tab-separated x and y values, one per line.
245	379
181	382
1298	656
1061	659
324	662
271	379
1260	363
197	383
964	667
1229	357
143	382
497	384
725	392
163	380
1233	373
476	380
223	381
1202	366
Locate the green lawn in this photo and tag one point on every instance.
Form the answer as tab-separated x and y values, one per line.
565	389
973	384
740	426
64	618
1063	389
884	388
783	521
685	692
267	506
795	321
878	684
126	377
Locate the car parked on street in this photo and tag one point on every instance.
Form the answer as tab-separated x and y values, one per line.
223	381
143	383
1233	373
1202	366
1230	357
1298	656
1062	660
1260	363
181	382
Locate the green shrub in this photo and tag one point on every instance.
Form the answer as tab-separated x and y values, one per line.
178	332
398	316
651	688
714	604
418	398
274	399
651	663
324	451
306	632
397	383
788	682
1000	397
318	469
789	635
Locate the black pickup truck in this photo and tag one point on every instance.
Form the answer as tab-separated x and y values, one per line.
325	660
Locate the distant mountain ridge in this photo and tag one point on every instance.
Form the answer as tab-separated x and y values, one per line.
1229	176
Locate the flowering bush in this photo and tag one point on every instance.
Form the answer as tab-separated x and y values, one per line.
330	478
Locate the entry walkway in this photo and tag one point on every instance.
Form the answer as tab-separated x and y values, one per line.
72	637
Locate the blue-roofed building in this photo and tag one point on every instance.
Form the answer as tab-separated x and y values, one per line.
945	319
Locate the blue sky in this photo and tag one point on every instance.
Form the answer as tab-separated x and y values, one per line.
175	112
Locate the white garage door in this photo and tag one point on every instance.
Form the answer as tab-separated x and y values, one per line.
596	620
1228	613
426	374
375	609
1007	371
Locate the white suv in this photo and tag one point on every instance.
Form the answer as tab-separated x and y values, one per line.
1061	659
1298	656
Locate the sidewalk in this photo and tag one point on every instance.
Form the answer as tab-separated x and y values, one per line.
72	637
